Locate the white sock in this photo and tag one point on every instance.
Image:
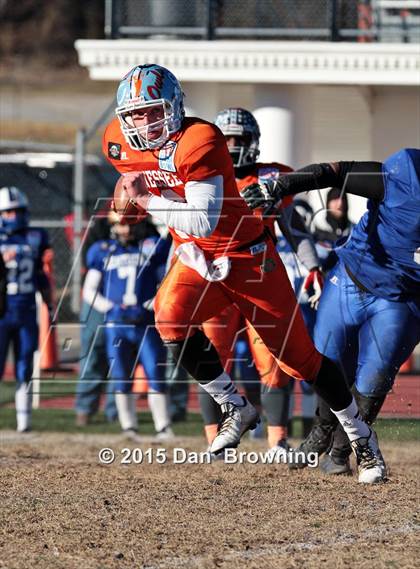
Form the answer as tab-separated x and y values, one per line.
222	390
351	422
158	405
23	402
126	407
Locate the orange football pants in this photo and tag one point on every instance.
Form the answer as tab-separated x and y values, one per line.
258	285
224	330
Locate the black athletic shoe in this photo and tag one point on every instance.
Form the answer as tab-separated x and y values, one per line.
317	442
333	465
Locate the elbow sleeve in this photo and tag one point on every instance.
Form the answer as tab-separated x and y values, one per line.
312	177
362	179
359	178
199	214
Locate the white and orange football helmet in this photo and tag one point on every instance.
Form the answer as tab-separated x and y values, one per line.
149	86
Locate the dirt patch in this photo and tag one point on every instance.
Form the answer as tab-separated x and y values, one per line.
63	509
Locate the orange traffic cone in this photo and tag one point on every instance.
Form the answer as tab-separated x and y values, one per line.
47	343
47	333
407	365
140	384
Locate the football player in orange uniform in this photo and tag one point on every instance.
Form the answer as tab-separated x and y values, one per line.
179	169
242	136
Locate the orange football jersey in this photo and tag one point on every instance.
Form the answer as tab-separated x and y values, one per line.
196	152
263	172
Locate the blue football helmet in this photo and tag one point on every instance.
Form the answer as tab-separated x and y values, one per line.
13	199
243	125
150	86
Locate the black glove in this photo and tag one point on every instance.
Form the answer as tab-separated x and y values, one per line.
266	195
256	195
312	177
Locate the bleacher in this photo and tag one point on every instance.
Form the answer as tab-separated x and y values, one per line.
326	20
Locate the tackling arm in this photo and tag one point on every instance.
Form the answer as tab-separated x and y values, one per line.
359	178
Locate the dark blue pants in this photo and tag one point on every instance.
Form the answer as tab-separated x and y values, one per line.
368	336
128	345
19	327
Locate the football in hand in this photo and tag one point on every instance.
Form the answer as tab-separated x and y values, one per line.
129	212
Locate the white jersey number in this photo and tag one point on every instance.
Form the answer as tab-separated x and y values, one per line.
21	277
130	274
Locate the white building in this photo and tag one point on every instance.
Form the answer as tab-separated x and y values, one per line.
314	101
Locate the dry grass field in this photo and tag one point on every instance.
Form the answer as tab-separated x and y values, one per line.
60	508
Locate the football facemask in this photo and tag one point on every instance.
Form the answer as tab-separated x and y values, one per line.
11	224
151	134
241	124
14	214
240	150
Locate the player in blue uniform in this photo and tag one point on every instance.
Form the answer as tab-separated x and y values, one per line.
3	287
123	274
22	248
374	288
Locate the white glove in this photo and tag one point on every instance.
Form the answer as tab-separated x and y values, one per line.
313	285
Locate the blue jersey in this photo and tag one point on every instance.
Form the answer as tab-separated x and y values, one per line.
23	252
383	251
130	273
295	270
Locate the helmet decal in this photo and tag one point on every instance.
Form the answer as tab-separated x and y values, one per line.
154	84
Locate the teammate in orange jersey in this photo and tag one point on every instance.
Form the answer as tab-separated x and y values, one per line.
242	136
179	169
